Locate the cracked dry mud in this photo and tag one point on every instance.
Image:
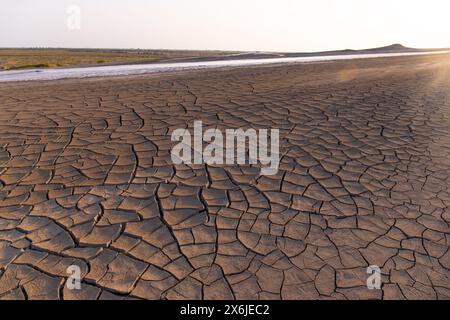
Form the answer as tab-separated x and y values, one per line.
86	179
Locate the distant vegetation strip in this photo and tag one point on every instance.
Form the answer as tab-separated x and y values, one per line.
11	58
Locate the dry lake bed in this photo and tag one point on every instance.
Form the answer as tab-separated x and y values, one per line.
86	180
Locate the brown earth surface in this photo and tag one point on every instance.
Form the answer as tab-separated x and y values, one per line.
86	179
22	58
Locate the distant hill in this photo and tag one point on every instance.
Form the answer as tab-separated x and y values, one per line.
393	48
386	49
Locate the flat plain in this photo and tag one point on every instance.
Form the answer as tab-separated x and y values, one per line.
86	179
23	58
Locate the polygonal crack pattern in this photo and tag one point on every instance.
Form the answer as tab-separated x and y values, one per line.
86	179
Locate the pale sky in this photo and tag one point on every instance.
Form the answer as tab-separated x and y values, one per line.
247	25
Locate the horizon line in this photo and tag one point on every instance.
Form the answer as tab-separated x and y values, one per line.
219	50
